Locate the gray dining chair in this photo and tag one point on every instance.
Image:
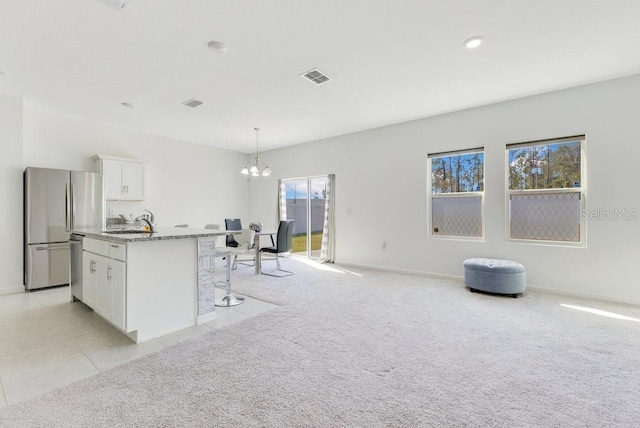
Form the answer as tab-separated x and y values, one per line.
232	224
284	244
236	224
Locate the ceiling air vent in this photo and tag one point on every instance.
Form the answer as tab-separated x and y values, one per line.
316	77
193	103
118	4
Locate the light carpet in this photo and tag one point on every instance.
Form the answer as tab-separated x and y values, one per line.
363	348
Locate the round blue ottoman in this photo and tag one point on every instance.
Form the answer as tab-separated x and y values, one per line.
495	276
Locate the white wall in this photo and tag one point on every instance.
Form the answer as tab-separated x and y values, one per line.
186	183
11	194
381	188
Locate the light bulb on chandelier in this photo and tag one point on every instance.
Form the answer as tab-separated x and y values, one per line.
254	170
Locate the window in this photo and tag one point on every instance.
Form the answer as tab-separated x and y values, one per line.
545	190
456	194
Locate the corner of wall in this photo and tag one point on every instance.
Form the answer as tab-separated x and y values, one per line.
11	166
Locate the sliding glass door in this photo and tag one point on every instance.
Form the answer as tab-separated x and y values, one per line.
305	199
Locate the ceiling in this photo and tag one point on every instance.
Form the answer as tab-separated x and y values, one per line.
389	61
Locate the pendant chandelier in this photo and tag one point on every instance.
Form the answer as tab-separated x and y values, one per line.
254	170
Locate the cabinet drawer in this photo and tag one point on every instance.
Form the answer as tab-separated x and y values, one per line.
96	246
118	251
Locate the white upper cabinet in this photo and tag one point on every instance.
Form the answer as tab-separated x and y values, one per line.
124	178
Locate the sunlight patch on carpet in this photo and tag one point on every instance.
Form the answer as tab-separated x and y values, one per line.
325	267
600	312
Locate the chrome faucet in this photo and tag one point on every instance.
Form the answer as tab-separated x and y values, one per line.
152	218
149	219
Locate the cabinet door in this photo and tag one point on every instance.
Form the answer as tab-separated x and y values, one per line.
133	181
89	280
118	292
103	292
114	188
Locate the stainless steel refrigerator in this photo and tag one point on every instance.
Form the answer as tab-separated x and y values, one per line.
57	202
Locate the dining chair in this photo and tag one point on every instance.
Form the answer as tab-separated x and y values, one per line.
284	244
236	224
244	239
232	224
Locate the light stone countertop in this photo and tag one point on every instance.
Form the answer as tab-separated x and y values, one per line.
135	234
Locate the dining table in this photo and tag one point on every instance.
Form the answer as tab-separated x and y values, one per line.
256	244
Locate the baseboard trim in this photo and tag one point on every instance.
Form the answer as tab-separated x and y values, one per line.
594	296
206	318
12	290
407	271
460	278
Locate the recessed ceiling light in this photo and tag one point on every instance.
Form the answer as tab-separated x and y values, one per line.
473	42
217	47
128	105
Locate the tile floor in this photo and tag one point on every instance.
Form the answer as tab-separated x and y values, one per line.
47	342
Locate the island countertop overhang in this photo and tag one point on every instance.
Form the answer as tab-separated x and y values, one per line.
162	233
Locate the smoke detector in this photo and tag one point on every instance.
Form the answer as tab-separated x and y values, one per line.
118	4
315	76
193	103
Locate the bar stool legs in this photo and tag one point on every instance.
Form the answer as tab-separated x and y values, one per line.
229	299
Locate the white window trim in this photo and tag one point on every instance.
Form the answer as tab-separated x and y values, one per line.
582	189
431	195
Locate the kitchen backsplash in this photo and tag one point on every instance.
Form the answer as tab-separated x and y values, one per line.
115	208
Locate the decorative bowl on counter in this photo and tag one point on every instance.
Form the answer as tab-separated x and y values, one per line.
256	226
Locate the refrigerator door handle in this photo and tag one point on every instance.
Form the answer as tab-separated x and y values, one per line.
68	205
73	208
51	248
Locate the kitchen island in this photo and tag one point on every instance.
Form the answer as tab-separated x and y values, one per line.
149	284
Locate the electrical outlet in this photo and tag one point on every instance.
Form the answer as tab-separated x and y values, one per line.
112	211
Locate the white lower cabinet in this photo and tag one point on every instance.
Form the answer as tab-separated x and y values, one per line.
117	296
147	288
105	285
89	279
103	270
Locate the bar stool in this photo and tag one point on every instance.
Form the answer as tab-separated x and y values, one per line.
244	239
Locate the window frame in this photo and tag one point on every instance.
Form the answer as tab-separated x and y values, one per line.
431	195
582	190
